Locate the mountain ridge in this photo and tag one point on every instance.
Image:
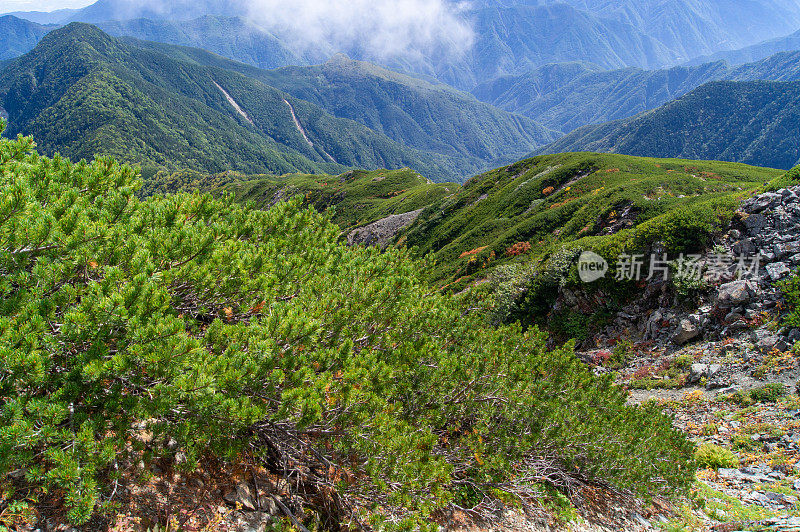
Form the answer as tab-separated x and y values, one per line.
567	96
749	122
181	107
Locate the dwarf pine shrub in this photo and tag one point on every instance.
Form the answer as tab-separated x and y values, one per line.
256	336
714	457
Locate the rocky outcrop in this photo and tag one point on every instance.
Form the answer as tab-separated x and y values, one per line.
381	232
767	226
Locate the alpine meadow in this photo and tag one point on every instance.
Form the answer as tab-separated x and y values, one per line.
443	266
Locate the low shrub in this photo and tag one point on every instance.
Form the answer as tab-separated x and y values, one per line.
713	456
769	393
520	248
791	295
256	337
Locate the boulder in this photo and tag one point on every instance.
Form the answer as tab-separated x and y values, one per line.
697	372
734	294
755	223
241	495
688	330
764	340
763	202
777	271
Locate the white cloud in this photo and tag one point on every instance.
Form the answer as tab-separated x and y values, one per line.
382	29
7	6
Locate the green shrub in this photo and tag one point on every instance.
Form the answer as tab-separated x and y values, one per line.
687	282
709	429
713	456
684	361
230	330
791	294
744	443
769	393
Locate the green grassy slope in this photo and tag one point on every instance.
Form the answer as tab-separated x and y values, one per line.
352	199
750	122
596	201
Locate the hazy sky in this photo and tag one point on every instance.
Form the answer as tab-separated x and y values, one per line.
40	5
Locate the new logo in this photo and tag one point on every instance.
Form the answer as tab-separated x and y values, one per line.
591	267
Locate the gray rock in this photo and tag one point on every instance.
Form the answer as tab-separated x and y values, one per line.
381	232
269	506
252	521
765	340
759	498
718	383
241	495
697	372
777	271
688	330
763	202
743	476
732	317
734	294
755	223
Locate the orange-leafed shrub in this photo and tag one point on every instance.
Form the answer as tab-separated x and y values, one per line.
548	191
472	252
520	248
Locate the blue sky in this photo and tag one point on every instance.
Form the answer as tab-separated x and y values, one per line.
40	5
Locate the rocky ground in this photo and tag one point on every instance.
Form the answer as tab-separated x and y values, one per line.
726	366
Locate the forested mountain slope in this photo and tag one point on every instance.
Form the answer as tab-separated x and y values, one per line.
567	96
414	112
18	36
424	115
750	122
82	92
232	37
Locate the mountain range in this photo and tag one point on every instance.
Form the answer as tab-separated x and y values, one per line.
754	52
692	28
82	92
236	105
18	36
566	96
511	37
751	122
